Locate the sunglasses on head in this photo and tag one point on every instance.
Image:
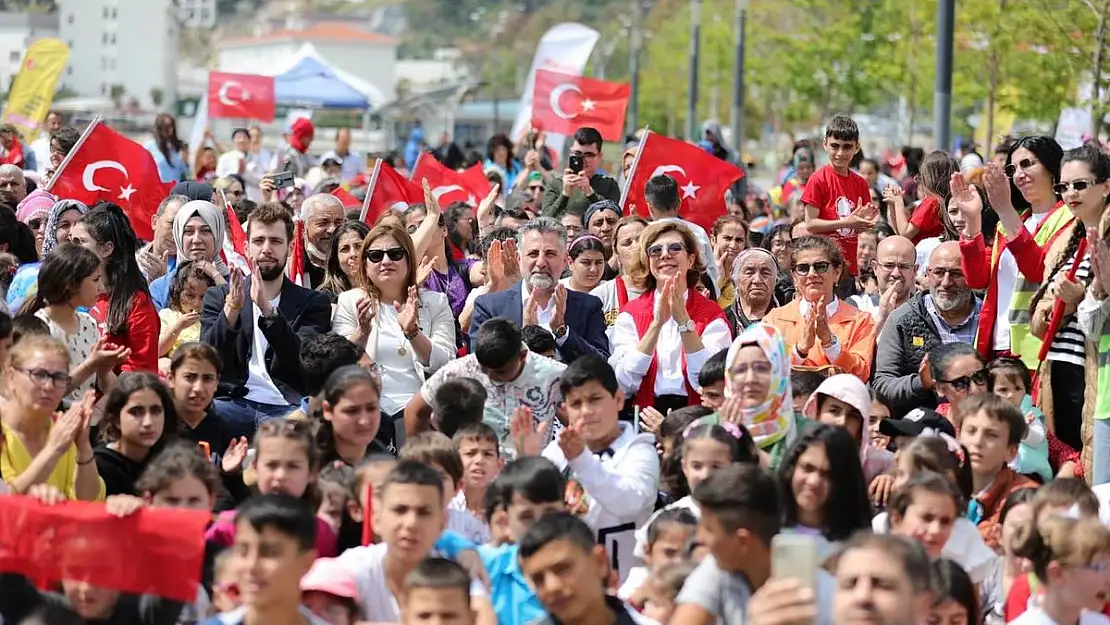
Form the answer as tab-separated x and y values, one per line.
1024	164
1063	187
655	251
964	382
820	268
394	253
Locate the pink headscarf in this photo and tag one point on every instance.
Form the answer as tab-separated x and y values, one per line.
36	204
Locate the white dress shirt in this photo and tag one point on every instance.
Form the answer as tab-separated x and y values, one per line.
620	490
402	373
833	351
631	365
543	314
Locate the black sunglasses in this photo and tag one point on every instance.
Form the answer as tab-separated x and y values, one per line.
394	253
820	268
964	382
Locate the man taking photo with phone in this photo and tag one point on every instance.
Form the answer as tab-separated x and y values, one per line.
581	184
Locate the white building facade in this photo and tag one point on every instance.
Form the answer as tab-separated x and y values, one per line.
17	32
121	48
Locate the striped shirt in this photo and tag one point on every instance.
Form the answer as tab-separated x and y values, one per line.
1069	344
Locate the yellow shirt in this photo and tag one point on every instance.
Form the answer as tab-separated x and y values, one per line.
189	335
14	460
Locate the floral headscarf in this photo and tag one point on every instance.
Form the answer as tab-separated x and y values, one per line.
773	420
49	239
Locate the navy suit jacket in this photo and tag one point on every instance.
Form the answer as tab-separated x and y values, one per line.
584	319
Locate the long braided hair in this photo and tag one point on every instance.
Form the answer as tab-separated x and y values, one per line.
1099	164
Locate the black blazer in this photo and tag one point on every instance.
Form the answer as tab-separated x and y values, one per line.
301	314
584	319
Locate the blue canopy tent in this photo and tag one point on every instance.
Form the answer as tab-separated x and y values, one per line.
311	83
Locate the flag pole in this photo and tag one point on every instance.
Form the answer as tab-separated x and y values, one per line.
76	146
415	164
632	170
370	190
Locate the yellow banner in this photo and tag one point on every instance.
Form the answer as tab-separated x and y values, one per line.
32	90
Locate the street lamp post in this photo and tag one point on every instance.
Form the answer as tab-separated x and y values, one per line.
942	98
695	52
738	86
635	41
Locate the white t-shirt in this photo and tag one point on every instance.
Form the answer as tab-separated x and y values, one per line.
260	388
1037	616
467	525
379	605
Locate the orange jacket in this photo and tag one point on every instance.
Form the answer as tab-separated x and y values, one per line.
854	329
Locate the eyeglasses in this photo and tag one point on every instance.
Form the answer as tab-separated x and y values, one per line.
1061	187
1099	567
820	268
1024	164
962	383
655	251
34	224
394	253
42	377
892	267
940	273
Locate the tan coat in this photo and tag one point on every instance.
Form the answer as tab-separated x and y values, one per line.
1039	326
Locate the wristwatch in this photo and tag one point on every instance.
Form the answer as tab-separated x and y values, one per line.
561	331
686	327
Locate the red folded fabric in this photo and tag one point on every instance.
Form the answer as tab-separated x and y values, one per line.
156	551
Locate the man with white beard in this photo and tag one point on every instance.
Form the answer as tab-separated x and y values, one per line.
948	313
575	319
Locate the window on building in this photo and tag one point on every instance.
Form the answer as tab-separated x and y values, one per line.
113	12
103	89
69	20
14	56
104	38
113	39
69	70
105	12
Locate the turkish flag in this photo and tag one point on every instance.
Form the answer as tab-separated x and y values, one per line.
702	178
562	103
347	199
106	165
388	191
157	551
449	186
241	96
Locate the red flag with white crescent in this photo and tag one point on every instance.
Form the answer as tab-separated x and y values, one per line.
241	96
702	178
562	103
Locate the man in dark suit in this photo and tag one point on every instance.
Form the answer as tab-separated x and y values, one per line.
574	318
257	326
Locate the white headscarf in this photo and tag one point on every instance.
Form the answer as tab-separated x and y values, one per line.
212	217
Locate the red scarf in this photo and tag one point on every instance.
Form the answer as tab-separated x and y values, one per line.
14	155
702	311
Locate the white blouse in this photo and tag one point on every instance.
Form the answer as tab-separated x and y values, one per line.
631	366
402	372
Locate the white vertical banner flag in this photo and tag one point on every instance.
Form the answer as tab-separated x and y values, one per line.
565	48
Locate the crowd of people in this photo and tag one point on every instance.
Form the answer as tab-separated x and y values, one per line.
868	395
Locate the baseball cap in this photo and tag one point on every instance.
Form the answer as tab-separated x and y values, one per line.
328	576
917	422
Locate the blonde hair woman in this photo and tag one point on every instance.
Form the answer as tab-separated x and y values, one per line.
662	339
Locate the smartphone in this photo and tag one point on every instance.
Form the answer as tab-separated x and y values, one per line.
576	163
283	179
795	556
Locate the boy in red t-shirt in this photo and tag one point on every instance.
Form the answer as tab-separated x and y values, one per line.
837	200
